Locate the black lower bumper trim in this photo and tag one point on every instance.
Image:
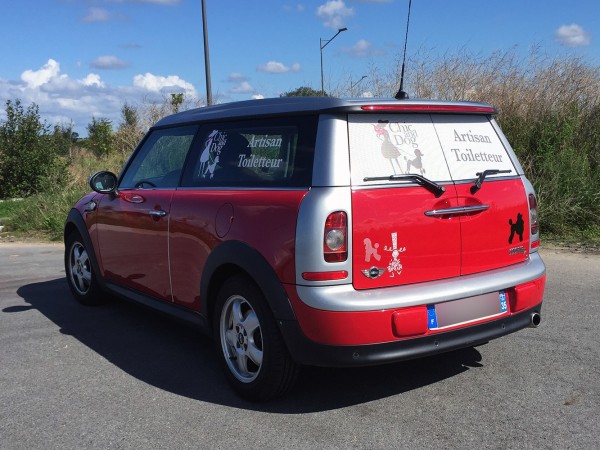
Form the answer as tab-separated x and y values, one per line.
305	351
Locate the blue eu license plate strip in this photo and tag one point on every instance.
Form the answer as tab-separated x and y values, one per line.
431	317
503	302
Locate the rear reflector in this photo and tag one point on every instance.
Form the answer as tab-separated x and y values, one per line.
325	276
465	109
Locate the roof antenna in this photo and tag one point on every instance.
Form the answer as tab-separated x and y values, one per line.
401	95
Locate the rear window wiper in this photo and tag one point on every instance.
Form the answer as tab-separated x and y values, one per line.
431	186
481	176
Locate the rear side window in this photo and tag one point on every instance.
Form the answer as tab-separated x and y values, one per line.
270	152
159	163
440	147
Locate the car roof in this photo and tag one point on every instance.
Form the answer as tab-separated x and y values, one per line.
289	105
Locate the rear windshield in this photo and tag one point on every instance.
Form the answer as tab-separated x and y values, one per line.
275	152
440	147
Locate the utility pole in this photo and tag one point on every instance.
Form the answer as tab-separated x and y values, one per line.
206	56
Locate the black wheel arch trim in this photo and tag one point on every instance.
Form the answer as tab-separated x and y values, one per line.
233	256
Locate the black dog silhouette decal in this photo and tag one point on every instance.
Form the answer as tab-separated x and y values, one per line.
516	228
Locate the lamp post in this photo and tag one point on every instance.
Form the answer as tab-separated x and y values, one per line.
352	85
322	44
206	56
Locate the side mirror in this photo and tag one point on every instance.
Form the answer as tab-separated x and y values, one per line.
103	182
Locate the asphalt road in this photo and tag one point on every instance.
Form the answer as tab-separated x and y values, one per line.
118	376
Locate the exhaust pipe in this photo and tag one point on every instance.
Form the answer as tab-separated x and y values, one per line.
535	319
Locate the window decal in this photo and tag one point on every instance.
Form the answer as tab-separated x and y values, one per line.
471	146
387	145
440	147
209	158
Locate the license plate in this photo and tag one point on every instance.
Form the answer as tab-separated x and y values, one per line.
465	310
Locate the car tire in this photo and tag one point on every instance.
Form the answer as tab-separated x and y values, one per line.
251	349
80	272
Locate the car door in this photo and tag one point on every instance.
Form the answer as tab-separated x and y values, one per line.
133	226
400	179
495	219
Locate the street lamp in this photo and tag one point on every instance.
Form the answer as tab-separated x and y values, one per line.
206	57
352	85
323	43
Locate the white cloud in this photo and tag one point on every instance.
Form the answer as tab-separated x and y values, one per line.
362	48
36	78
334	12
297	8
243	88
93	79
108	62
236	77
95	14
258	97
573	36
277	67
62	99
158	83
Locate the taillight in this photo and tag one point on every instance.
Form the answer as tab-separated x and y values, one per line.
335	237
432	108
533	214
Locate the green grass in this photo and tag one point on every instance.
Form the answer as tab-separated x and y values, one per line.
41	216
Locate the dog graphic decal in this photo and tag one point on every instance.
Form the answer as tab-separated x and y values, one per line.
516	228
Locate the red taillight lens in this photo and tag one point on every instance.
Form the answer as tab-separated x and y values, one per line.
533	214
335	237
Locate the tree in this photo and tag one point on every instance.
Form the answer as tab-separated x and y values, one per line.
100	136
64	137
176	101
130	131
29	154
302	91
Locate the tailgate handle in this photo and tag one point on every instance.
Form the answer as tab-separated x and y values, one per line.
457	211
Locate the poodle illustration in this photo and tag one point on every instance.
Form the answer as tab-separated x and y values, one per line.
395	266
209	157
388	150
516	228
371	250
417	163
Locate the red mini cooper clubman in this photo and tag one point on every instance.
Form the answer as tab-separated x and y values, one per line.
317	231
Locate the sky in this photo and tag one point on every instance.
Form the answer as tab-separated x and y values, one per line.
83	59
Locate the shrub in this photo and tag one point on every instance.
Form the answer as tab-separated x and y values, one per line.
30	159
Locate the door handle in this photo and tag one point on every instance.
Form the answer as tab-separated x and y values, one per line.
456	211
157	213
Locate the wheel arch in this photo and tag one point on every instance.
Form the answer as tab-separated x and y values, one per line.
76	223
235	257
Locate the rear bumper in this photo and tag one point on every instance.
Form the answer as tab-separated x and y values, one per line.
308	352
344	298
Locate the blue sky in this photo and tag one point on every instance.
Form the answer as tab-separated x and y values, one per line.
78	59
